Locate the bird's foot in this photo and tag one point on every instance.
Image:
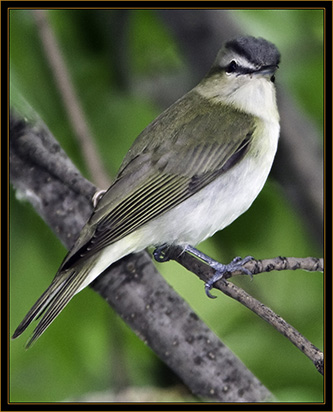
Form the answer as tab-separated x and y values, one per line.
220	270
162	253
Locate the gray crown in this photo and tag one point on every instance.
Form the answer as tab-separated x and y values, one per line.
257	50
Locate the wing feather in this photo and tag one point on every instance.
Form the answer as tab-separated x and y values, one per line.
159	194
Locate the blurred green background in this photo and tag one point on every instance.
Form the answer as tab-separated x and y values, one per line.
115	58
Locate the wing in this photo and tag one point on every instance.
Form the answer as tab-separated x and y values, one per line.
157	177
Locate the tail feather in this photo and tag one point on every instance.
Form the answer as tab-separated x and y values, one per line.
54	307
50	304
37	310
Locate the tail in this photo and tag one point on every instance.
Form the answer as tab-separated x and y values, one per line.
63	287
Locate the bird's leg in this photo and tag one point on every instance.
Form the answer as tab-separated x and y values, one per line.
220	269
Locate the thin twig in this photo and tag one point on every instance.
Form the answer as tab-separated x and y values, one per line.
72	103
310	264
205	272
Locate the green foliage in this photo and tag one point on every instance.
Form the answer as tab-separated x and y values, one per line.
80	352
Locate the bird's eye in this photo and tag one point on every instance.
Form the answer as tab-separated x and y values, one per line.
232	67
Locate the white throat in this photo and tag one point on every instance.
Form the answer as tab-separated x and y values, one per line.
253	94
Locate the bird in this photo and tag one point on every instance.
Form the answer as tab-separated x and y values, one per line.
190	173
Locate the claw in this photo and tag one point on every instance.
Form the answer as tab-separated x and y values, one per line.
208	288
237	264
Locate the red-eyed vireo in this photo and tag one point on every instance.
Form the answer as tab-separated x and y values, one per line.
191	172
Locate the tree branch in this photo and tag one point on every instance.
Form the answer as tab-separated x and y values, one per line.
205	272
41	172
